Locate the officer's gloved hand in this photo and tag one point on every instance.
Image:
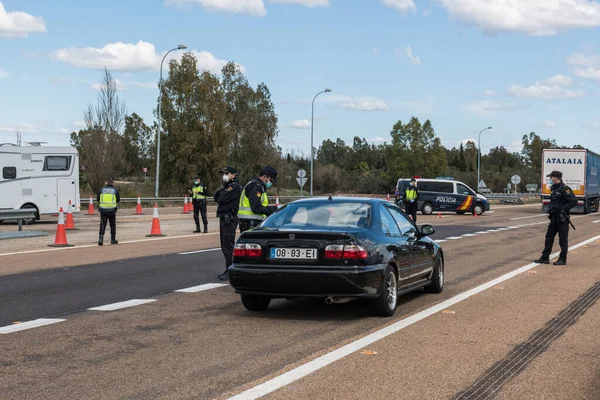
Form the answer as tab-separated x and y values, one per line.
412	201
563	217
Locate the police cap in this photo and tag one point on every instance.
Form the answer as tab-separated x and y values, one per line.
228	170
555	174
269	171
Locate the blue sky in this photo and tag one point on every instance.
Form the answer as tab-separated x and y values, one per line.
463	64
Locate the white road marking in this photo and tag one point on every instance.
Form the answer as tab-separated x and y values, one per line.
482	232
501	229
530	216
122	304
513	227
469	234
201	288
28	325
595	222
95	245
441	241
335	355
454	238
199	251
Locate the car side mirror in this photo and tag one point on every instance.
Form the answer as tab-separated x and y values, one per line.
427	230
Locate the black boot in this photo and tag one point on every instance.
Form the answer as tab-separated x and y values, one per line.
224	276
100	240
114	241
560	262
205	229
542	260
197	229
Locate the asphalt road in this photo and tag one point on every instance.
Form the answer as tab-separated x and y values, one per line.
206	345
58	292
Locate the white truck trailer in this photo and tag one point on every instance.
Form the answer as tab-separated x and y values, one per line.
38	177
580	173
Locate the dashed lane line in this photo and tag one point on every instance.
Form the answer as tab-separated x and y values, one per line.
312	366
199	251
122	304
595	222
529	216
201	288
28	325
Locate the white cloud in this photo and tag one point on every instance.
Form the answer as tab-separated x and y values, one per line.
307	3
549	89
532	17
401	5
559	80
250	7
427	13
119	86
549	124
130	57
300	124
360	103
490	92
584	60
488	107
589	73
19	24
375	51
414	59
593	125
3	74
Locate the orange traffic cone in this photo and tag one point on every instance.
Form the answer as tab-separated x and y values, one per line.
388	197
91	207
138	207
186	210
61	234
277	201
439	215
155	231
70	225
475	215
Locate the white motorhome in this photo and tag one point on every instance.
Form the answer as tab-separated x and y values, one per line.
43	178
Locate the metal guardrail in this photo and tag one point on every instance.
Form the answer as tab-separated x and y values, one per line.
19	215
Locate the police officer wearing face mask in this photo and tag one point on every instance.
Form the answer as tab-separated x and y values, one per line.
561	202
254	205
198	193
108	197
411	195
228	199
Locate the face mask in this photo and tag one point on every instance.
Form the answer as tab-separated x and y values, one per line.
196	183
269	184
225	178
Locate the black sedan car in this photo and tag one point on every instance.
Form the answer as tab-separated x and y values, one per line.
336	248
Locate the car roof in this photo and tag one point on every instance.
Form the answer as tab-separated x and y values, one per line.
341	199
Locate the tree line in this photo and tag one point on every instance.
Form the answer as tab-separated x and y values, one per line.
211	121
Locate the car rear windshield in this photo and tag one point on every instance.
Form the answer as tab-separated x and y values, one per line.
324	214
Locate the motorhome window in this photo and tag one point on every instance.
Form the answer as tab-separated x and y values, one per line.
462	189
57	163
9	173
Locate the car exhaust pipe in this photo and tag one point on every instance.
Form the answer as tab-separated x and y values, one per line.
337	300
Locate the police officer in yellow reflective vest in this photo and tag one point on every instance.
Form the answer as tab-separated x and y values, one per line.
108	197
198	193
411	195
254	204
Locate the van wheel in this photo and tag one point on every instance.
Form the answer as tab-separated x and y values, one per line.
427	209
478	209
30	221
460	212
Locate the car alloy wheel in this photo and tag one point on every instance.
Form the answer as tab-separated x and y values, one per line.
437	278
385	305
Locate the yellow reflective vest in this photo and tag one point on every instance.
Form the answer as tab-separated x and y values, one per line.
245	211
198	193
410	194
108	199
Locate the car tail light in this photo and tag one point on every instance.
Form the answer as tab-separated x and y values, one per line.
347	252
247	250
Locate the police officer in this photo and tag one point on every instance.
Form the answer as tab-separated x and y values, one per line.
198	193
561	202
411	195
108	197
254	204
228	199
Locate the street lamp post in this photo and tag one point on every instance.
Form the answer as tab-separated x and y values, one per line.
160	83
312	120
479	157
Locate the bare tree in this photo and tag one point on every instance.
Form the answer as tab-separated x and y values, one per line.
100	145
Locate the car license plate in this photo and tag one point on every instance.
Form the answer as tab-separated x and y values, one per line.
293	254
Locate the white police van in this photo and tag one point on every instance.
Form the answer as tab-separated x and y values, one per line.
40	178
444	195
